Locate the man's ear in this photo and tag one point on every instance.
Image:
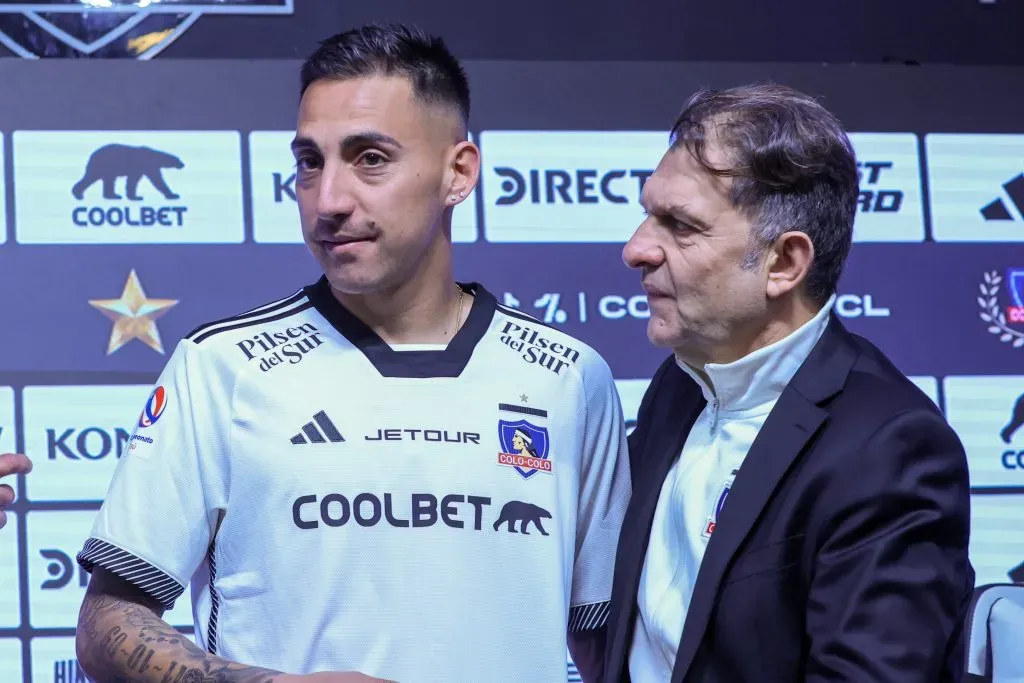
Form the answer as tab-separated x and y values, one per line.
788	263
463	171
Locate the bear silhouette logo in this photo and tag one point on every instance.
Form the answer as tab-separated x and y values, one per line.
1016	420
516	511
110	162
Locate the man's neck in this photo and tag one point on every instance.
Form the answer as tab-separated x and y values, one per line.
421	310
783	319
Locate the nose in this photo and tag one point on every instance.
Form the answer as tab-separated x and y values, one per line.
642	250
336	197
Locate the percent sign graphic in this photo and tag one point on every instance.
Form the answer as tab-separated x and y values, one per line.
548	302
552	313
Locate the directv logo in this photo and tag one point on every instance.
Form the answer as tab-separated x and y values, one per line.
997	210
314	435
565	186
582	186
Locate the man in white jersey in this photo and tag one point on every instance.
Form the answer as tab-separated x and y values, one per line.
385	472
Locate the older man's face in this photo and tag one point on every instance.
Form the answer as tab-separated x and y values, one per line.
690	248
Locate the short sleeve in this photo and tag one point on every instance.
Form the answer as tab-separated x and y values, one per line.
604	493
164	500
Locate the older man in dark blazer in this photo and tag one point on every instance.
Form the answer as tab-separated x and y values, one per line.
800	509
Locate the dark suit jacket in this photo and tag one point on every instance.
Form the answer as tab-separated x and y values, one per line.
841	552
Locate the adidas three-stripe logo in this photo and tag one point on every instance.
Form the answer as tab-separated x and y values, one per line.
314	435
997	210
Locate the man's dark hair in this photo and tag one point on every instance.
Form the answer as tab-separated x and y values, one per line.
793	168
392	50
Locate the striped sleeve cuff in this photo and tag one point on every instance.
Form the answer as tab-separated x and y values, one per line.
157	584
588	617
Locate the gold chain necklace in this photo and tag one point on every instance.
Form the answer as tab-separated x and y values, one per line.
458	315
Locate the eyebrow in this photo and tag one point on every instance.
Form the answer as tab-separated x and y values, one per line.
682	213
678	211
350	142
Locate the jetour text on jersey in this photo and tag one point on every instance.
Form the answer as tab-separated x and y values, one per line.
439	435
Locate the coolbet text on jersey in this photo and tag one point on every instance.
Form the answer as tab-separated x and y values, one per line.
419	513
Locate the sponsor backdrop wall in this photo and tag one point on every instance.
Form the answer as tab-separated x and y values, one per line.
108	256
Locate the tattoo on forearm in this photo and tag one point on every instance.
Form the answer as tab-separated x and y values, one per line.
127	643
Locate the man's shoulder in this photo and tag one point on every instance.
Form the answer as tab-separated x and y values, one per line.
877	390
246	336
880	413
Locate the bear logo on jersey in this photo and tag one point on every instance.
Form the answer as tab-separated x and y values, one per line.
517	512
155	406
524	447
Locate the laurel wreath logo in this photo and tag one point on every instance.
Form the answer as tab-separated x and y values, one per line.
991	314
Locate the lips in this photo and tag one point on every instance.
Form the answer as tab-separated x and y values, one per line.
340	243
345	240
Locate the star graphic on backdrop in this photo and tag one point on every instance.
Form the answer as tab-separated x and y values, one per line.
522	397
134	315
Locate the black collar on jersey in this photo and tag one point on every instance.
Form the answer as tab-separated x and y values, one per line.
449	362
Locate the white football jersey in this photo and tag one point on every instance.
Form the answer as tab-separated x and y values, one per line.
337	504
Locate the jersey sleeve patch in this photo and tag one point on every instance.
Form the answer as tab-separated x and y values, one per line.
588	617
156	583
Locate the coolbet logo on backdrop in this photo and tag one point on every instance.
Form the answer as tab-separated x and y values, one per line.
565	186
128	187
122	29
524	446
275	213
988	416
976	188
1002	305
889	208
79	433
134	315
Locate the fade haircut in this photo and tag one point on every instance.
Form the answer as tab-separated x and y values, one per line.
793	168
392	50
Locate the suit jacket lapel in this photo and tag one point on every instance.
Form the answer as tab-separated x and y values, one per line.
790	425
673	417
